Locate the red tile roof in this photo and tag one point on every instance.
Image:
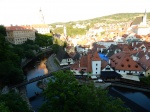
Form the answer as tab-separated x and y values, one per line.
104	64
145	63
86	61
123	61
18	28
75	65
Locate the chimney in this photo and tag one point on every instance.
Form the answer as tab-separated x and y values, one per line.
79	63
144	50
147	57
132	44
109	61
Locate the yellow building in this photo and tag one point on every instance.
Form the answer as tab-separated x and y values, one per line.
19	34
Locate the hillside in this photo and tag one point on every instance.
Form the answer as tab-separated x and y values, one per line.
114	18
74	27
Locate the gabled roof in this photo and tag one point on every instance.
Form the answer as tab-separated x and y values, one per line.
62	54
123	61
96	57
104	64
110	53
139	54
89	60
83	61
113	47
145	63
86	61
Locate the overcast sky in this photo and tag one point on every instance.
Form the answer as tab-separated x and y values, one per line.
27	11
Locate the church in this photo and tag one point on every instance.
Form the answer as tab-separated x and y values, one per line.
139	26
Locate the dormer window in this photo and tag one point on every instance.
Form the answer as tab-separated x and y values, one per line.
127	59
136	66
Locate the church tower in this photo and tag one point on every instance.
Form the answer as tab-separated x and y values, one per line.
41	17
145	18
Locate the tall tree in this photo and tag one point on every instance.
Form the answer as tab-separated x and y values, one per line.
65	94
2	30
13	102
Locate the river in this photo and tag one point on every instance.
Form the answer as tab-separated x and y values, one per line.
136	97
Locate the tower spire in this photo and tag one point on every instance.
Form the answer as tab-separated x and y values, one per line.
41	16
144	18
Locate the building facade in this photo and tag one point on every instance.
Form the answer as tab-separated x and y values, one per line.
19	34
41	28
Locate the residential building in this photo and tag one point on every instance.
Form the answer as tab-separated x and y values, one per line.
19	34
126	66
63	57
90	64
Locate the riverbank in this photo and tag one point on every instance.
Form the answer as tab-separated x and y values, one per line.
51	64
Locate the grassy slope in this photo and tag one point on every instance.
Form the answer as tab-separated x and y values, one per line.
115	18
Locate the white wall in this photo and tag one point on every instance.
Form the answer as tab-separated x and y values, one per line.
143	31
133	72
96	67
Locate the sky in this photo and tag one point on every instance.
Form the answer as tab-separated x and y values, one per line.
19	12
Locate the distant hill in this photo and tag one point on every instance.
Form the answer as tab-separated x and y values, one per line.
115	18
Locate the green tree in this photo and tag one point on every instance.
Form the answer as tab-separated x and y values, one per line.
64	94
3	107
2	30
55	48
145	80
29	54
13	102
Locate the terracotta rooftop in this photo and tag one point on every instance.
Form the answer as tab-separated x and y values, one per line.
96	57
104	63
122	61
75	65
83	61
145	62
18	28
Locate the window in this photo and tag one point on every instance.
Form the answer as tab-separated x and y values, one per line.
96	68
96	64
96	72
107	68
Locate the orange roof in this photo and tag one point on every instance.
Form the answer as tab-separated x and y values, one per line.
75	65
18	28
83	61
96	57
123	61
89	61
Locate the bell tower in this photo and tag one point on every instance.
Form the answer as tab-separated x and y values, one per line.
41	17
